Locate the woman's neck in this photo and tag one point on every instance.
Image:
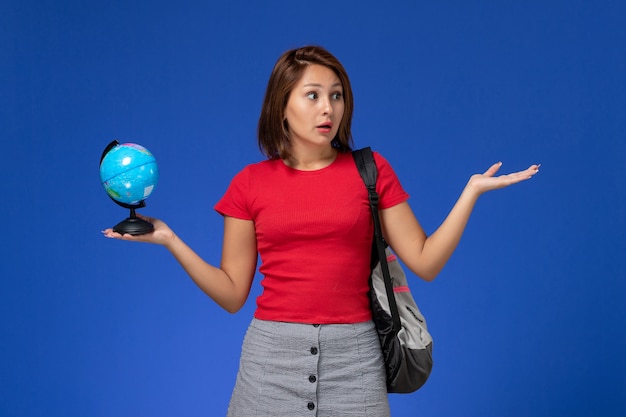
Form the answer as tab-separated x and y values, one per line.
311	160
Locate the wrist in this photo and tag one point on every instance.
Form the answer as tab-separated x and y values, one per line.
171	240
471	190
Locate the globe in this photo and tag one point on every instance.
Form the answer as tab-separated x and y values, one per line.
129	173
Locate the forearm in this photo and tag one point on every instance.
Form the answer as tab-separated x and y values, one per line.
440	245
212	280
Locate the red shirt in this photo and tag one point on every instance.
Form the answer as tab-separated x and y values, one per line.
314	236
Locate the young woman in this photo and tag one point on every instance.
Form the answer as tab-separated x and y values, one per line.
311	348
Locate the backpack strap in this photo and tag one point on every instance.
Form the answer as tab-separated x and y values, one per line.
364	159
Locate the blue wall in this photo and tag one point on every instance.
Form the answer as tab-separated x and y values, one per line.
528	317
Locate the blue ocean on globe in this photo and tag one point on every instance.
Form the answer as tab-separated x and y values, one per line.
129	173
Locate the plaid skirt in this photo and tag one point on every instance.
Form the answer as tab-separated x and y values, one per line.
291	369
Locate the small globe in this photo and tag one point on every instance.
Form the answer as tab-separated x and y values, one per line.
129	173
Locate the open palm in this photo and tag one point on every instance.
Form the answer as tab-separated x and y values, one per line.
489	181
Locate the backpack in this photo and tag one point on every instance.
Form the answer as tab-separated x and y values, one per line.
402	331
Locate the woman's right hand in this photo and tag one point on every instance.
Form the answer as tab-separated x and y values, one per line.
161	235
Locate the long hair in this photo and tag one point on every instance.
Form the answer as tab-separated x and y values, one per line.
272	132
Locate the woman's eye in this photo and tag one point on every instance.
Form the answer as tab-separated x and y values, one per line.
312	96
337	96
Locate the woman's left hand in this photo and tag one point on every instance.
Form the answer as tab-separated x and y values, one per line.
482	183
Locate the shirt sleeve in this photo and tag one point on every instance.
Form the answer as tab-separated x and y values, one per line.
388	185
234	202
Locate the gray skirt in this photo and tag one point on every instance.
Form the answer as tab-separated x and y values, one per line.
291	369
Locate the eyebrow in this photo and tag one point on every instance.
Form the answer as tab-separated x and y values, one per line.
337	84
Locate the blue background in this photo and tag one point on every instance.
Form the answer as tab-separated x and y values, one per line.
528	316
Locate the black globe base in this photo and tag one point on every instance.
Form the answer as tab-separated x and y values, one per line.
133	225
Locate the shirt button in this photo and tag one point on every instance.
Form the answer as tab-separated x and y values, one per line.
313	350
311	406
312	378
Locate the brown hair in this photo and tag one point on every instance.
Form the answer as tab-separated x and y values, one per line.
272	131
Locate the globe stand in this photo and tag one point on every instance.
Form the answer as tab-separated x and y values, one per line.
133	225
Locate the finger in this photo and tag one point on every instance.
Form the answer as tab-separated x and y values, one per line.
515	177
111	234
493	169
115	235
530	171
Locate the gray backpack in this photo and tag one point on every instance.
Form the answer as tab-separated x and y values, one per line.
402	331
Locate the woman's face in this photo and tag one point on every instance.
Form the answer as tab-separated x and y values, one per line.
315	107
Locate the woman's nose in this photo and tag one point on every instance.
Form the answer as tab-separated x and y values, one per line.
327	106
